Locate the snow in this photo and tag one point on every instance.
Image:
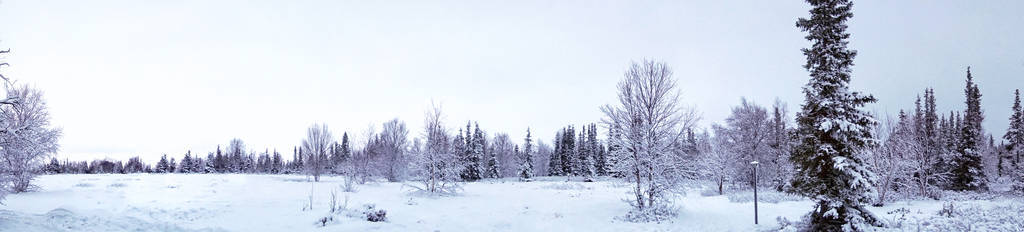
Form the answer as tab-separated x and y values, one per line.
241	202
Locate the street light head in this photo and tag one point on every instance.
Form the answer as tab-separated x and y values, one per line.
754	162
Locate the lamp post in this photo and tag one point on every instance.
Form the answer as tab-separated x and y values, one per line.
755	190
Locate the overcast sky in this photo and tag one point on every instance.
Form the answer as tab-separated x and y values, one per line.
132	77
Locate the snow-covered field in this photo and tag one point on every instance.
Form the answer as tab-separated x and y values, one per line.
238	202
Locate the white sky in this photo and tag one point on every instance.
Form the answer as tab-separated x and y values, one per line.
127	78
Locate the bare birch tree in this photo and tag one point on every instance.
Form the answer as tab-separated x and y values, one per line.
652	119
315	146
436	166
394	137
26	137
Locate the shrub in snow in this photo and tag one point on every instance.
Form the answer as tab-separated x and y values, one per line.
373	214
899	216
653	213
324	220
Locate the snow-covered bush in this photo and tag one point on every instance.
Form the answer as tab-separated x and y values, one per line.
324	220
374	214
653	213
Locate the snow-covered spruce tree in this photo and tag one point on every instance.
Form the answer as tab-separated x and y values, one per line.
459	150
346	150
555	160
465	154
26	137
568	152
526	158
186	163
931	144
276	164
161	166
586	157
652	120
614	133
967	173
218	161
53	167
492	166
437	166
171	166
318	137
472	170
600	160
832	130
209	167
233	159
1015	133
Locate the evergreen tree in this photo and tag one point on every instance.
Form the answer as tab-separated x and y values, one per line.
186	163
526	162
171	166
346	150
161	166
276	163
568	151
475	144
832	129
600	158
1015	133
586	157
492	166
555	161
210	167
460	150
298	160
219	161
614	134
53	167
967	173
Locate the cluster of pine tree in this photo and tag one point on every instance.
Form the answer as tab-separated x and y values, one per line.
579	154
